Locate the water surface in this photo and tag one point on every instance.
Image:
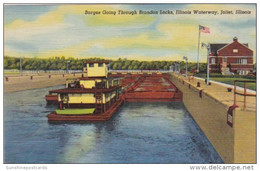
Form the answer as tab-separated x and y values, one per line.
138	133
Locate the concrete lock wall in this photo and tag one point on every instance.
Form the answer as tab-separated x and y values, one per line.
235	144
245	136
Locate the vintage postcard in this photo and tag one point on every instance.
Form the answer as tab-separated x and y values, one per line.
130	84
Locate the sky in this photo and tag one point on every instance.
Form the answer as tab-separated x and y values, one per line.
65	30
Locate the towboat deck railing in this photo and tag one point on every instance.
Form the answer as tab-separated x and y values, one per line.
242	94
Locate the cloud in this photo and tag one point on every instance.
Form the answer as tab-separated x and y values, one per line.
57	16
47	19
67	31
66	26
26	32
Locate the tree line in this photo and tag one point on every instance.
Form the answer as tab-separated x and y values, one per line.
60	63
53	63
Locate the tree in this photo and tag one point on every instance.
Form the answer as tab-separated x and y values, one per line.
53	66
203	67
143	65
124	67
166	67
130	67
114	66
6	65
135	67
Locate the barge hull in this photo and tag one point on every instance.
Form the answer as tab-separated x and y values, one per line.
95	117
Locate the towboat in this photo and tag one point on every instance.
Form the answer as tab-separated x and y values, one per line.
92	97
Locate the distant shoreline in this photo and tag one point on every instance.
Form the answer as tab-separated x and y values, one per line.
19	83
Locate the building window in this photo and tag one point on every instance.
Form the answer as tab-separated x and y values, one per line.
213	61
241	61
100	64
244	61
91	64
225	59
235	50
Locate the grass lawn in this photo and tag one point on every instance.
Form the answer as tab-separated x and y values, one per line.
6	72
251	86
230	80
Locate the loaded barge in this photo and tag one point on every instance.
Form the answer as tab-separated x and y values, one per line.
97	94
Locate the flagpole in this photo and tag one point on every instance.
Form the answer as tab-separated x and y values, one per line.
198	65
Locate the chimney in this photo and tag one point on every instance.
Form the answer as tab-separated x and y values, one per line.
235	39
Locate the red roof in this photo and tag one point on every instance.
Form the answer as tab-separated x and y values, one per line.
225	49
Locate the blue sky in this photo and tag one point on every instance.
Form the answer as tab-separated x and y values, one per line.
64	30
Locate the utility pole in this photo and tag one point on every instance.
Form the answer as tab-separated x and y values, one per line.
68	67
198	55
208	51
186	59
21	66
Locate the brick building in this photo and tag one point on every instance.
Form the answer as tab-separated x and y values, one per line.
234	57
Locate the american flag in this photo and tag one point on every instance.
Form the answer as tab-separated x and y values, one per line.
204	29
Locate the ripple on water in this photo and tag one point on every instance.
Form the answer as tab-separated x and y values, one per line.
138	133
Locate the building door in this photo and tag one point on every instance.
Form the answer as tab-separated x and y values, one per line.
224	63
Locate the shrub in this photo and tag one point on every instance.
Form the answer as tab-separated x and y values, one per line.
219	75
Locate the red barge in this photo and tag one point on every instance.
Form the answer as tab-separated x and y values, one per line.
98	95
